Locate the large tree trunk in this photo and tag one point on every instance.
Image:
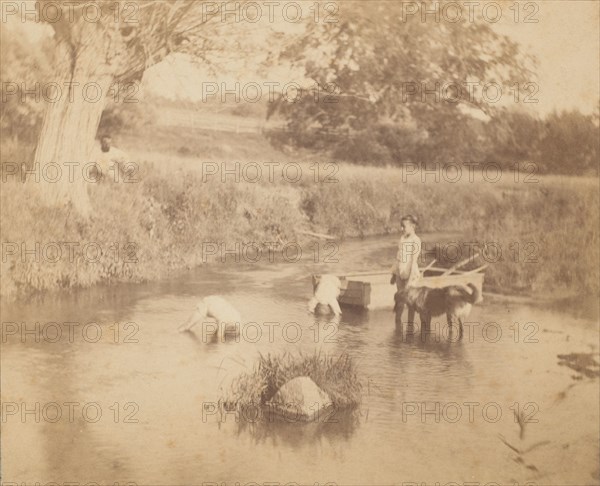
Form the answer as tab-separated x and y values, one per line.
94	55
87	56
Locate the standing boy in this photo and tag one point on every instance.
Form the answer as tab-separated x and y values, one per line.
405	269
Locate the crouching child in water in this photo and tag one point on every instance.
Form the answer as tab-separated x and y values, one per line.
405	270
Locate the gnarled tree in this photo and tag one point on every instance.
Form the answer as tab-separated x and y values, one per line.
101	47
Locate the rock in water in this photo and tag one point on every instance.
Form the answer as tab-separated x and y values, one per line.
300	400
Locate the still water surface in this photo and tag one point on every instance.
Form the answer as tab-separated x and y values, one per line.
433	409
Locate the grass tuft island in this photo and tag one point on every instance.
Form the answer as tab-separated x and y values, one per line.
335	383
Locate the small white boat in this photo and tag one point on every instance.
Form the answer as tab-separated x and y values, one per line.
373	290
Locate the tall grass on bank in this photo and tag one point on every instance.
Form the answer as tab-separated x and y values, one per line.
337	376
547	233
146	229
136	231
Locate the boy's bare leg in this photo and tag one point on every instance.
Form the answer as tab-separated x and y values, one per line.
398	317
398	310
399	305
335	307
312	305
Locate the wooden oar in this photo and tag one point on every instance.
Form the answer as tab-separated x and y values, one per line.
365	274
430	265
316	235
477	270
460	264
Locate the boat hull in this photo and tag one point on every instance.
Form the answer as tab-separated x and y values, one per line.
374	291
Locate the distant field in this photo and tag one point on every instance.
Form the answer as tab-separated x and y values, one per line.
188	148
224	122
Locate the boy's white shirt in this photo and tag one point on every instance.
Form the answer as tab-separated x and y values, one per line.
106	160
406	265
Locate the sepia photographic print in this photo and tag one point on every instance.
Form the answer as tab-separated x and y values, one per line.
308	242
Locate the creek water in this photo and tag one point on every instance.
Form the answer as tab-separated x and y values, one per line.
128	398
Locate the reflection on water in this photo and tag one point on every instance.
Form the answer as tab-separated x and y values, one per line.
339	425
153	387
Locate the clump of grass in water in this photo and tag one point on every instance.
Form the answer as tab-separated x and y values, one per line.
337	376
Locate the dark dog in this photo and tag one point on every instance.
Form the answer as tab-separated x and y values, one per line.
454	301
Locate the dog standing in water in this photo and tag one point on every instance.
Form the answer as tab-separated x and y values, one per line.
227	317
327	293
454	301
